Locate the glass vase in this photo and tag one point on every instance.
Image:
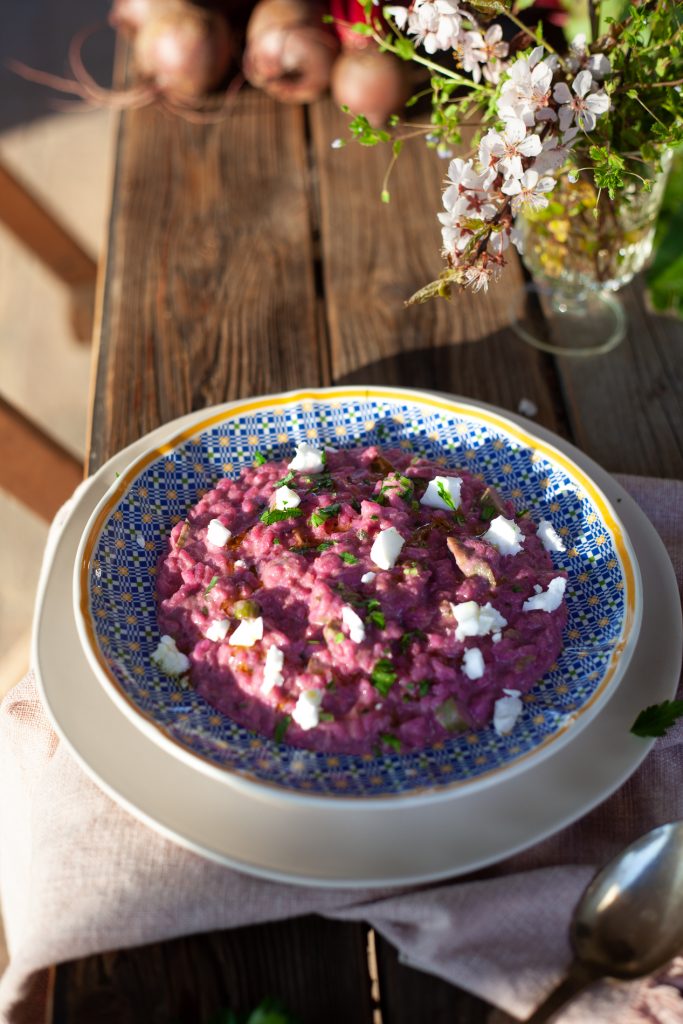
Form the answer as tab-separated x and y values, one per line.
580	250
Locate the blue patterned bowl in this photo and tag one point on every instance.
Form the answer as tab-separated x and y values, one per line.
115	587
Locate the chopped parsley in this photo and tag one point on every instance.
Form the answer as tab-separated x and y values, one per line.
445	496
212	584
407	638
281	727
487	513
423	687
338	638
277	515
325	545
259	458
286	479
391	741
323	482
375	613
323	514
326	716
383	676
411	569
656	719
347	557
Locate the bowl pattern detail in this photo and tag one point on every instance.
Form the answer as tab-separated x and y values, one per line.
117	582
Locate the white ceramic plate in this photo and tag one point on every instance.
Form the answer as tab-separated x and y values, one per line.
115	582
363	845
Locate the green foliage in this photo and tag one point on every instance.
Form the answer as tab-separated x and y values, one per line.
665	276
655	720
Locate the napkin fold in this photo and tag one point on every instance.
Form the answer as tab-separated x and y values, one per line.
79	875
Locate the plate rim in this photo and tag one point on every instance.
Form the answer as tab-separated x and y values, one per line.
179	431
611	773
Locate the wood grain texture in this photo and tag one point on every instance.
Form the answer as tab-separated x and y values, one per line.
410	996
210	291
376	255
317	968
626	407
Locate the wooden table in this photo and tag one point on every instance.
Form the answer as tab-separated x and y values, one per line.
250	257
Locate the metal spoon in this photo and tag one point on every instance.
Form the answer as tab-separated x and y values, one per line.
629	920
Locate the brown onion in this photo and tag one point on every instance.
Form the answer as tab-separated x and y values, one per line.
372	83
289	52
184	50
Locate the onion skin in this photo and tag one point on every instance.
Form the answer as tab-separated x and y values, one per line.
184	50
372	83
290	52
130	15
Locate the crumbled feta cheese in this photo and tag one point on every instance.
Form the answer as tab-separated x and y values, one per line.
368	577
247	633
506	711
548	600
308	459
217	534
474	620
549	536
497	636
473	663
285	497
272	669
140	540
240	563
505	535
169	659
218	630
449	485
386	548
306	714
527	407
354	624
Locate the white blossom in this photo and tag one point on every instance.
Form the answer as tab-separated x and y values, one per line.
478	277
481	54
434	23
583	105
529	190
555	152
526	93
508	148
580	57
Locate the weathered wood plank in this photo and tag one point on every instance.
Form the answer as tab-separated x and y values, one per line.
317	968
376	255
626	407
409	996
210	291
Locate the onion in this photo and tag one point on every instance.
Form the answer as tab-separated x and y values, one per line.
289	52
184	50
372	83
130	15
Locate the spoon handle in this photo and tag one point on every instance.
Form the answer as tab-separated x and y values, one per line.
579	977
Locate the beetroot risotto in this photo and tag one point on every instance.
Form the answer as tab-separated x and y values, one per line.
360	600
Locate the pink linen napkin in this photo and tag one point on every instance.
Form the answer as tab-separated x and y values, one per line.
73	866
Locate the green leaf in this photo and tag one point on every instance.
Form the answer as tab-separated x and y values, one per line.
383	676
347	557
286	479
361	28
397	147
377	619
404	48
281	728
391	741
323	514
259	459
212	584
665	274
656	719
277	515
444	495
385	196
